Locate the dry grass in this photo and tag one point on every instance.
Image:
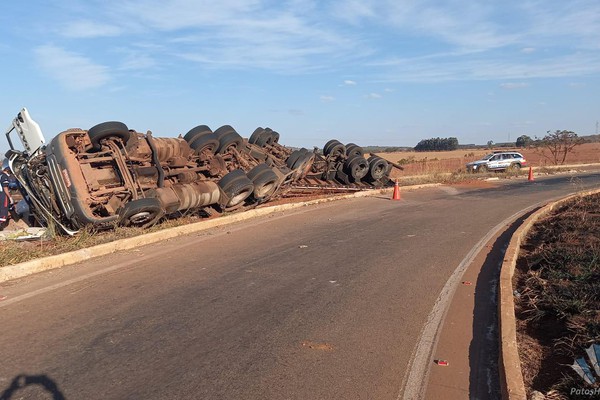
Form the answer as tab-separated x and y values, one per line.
14	252
558	307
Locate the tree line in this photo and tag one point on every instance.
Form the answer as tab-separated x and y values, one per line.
437	144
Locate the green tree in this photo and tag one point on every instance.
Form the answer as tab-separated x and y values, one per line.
524	141
437	144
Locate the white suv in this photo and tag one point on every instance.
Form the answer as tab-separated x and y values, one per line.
498	161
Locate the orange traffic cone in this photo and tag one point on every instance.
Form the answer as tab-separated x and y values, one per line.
396	195
530	178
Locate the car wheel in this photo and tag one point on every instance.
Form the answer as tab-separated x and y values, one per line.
483	169
514	167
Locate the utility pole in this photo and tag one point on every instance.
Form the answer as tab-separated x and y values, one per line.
596	127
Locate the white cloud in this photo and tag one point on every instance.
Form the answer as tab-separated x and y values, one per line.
514	85
327	99
72	70
89	29
349	83
373	96
474	40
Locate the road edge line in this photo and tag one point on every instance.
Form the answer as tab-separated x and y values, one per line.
415	379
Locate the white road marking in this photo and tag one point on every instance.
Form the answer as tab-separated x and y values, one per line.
416	376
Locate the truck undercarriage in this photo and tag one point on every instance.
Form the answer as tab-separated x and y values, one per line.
110	175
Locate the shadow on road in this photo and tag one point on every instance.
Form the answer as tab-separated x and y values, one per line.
484	380
36	386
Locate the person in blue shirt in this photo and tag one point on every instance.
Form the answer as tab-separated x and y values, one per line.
5	198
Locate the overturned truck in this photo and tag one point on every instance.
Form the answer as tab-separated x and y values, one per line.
111	174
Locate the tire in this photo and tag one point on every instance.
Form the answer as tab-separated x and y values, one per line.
197	131
356	167
228	141
329	143
267	138
258	132
354	150
256	171
483	169
237	188
334	148
230	177
303	164
207	142
264	180
141	213
516	167
377	168
105	130
224	130
274	137
291	160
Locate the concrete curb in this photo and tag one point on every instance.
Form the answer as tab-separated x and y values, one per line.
26	268
511	377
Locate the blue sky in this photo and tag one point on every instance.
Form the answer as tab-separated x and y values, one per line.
387	72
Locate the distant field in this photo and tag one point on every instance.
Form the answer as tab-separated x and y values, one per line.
452	161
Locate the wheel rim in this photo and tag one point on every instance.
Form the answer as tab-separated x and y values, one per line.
378	171
237	199
140	218
264	190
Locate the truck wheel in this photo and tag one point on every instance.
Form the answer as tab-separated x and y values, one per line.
228	141
356	167
264	180
329	143
377	168
296	154
197	131
105	130
354	149
334	148
269	137
205	142
141	213
274	137
222	130
258	132
303	164
237	187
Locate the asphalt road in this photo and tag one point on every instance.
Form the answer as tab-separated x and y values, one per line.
323	303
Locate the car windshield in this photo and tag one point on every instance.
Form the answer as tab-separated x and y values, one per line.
488	156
